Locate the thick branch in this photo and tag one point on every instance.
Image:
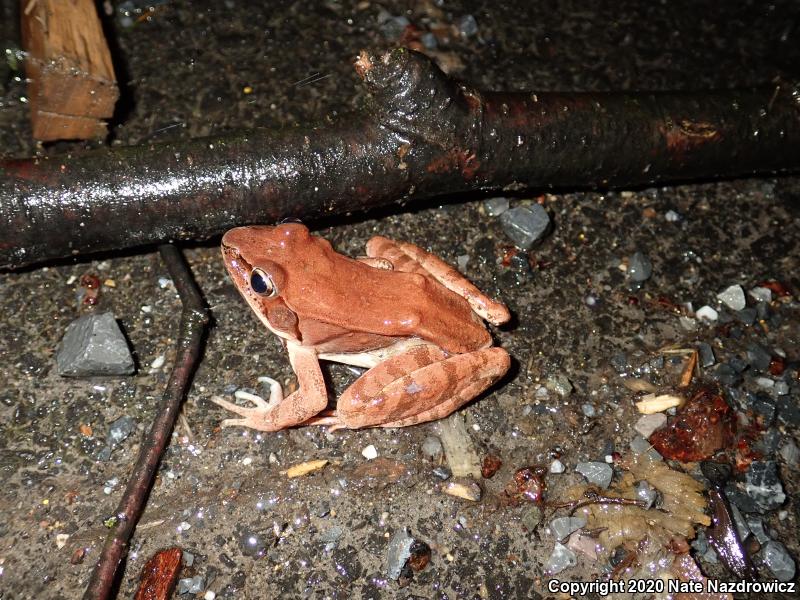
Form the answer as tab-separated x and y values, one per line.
421	134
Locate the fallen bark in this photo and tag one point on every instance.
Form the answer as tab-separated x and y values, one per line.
421	134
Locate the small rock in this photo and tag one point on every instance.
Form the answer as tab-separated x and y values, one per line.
706	355
639	267
370	452
557	467
432	448
725	374
467	26
647	424
646	493
94	345
672	217
465	490
778	560
429	40
119	430
763	486
560	384
788	410
443	473
330	537
531	518
398	553
588	410
461	262
706	313
790	453
197	584
739	521
561	558
747	316
639	445
733	297
392	27
756	526
761	294
620	363
768	443
781	388
525	225
764	408
563	526
758	357
597	473
184	585
495	207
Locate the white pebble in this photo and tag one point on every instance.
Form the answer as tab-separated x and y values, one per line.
557	467
733	297
209	595
706	313
147	309
247	461
370	452
158	362
761	294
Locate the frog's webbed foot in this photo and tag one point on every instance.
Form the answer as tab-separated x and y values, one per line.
258	417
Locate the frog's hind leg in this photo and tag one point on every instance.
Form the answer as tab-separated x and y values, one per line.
413	259
423	384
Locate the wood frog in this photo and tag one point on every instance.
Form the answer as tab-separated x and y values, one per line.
403	313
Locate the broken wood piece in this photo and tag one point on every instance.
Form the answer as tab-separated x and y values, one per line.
160	575
71	86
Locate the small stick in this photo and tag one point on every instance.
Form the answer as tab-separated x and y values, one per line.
194	320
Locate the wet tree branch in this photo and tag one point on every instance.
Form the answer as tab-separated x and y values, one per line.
420	134
194	319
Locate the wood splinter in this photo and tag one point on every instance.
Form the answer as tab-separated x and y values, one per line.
72	87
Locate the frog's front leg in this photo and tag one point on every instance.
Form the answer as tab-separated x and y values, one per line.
280	413
422	384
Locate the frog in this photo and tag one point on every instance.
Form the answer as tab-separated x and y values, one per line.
404	314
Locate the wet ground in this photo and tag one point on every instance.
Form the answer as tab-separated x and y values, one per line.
190	69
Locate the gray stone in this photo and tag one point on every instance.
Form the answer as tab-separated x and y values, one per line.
557	467
119	430
561	558
639	267
746	316
646	493
525	225
432	448
94	345
429	40
198	584
467	26
443	473
588	410
560	384
495	207
706	355
733	297
778	560
756	526
647	424
763	486
597	473
639	445
392	27
760	294
758	357
790	453
741	524
184	585
563	526
399	552
788	410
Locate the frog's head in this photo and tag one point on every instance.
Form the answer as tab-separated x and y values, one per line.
259	259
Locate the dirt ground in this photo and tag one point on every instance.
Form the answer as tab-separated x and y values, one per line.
194	68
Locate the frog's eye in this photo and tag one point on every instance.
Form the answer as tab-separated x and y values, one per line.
261	283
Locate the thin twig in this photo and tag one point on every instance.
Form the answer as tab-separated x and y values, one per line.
194	319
